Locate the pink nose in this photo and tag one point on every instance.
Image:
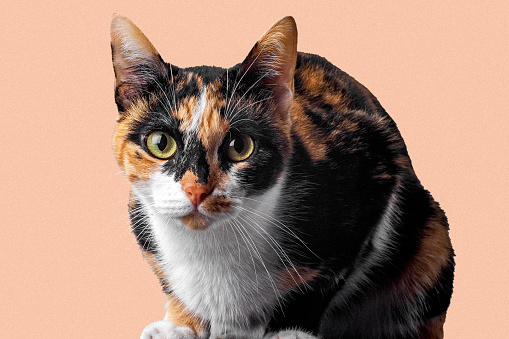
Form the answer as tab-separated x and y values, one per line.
196	193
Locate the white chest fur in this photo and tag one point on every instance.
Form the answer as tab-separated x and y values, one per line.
226	274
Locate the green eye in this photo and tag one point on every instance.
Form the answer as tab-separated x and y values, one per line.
240	147
161	145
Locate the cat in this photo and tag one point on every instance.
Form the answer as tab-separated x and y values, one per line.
275	198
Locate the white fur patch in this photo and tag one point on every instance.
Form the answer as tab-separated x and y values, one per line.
198	114
290	334
163	195
382	241
382	238
164	329
227	273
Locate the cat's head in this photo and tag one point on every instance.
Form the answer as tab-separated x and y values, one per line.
198	143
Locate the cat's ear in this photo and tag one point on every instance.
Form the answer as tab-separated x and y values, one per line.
273	59
136	62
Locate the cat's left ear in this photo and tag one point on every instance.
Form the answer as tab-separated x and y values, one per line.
273	59
136	62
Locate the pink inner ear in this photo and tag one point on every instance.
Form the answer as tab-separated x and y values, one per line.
283	97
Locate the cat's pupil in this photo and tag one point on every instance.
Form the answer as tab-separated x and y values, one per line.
161	141
238	145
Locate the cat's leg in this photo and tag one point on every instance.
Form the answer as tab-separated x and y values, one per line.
178	323
290	334
175	326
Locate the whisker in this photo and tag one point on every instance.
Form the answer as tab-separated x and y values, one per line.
237	83
236	238
273	284
278	224
173	86
243	95
243	108
234	224
279	251
166	105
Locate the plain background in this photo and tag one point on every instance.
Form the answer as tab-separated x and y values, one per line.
69	267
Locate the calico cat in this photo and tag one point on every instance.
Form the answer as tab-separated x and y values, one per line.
275	198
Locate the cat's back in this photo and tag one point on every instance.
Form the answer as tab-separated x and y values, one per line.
333	111
321	84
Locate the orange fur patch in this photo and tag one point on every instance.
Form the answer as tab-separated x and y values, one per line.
185	110
434	328
433	255
175	310
177	313
313	78
215	204
156	267
189	178
196	221
312	140
213	127
291	278
344	127
348	126
136	164
335	99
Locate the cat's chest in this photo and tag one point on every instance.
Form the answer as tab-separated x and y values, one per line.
225	274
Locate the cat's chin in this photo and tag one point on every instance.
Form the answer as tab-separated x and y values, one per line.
196	221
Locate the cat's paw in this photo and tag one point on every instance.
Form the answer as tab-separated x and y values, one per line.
164	329
290	334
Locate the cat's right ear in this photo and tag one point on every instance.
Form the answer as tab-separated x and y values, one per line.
273	60
136	62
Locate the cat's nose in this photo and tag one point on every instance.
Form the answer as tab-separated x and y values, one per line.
197	193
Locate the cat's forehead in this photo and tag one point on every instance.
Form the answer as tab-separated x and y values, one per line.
202	104
199	99
206	74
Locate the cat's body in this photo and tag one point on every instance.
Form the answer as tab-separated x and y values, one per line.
277	194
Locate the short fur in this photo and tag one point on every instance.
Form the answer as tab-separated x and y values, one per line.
323	230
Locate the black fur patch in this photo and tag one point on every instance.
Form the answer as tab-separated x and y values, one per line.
192	158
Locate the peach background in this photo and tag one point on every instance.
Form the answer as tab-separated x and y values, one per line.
69	265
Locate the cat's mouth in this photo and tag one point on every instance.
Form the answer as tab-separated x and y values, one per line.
196	221
214	207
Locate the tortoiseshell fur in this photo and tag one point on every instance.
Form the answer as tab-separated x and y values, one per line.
324	231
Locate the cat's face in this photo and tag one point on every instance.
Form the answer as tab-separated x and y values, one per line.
198	143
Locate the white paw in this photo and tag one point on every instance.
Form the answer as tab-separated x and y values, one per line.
292	334
164	329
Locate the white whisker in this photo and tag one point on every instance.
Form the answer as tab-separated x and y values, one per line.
253	244
278	224
278	250
243	95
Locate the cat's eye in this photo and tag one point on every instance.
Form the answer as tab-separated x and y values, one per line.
161	145
240	147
